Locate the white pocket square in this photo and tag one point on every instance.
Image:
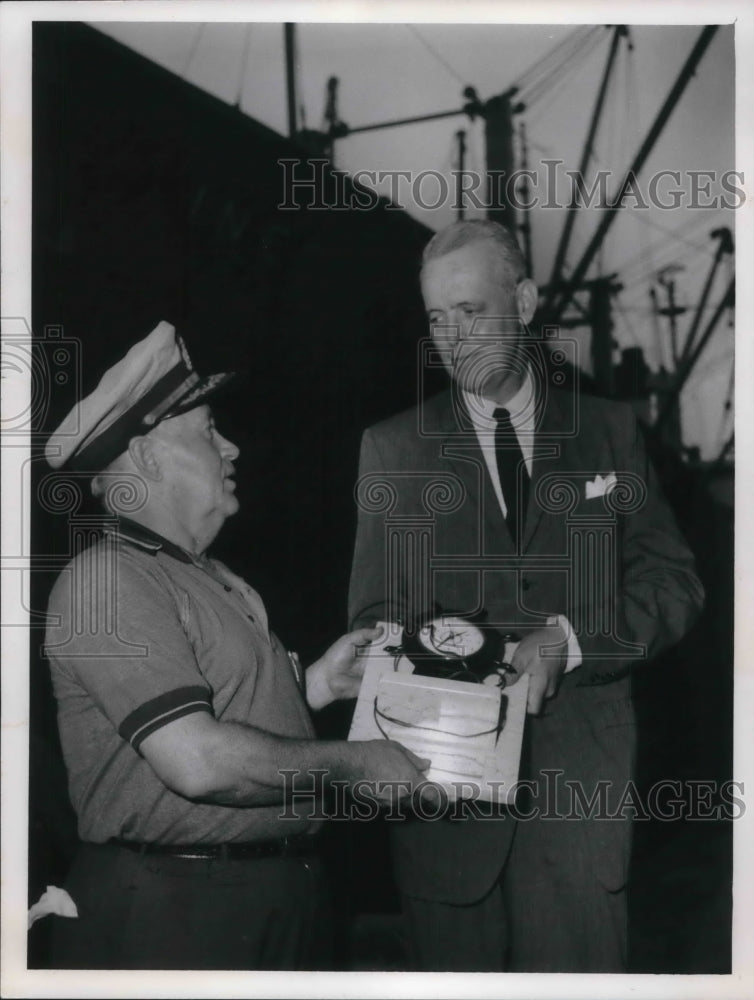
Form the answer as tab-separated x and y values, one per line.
601	485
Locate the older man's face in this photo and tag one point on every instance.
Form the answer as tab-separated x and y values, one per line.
197	468
473	316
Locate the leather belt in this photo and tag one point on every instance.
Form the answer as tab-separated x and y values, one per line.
288	847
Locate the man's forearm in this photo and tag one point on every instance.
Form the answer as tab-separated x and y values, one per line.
229	763
243	765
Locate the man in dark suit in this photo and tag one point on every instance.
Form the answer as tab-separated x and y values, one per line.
511	498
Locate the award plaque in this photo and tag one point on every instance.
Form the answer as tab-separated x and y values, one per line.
471	731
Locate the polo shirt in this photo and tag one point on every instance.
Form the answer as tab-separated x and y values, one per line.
141	633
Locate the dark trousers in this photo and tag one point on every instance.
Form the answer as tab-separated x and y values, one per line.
478	937
539	916
142	911
560	902
442	937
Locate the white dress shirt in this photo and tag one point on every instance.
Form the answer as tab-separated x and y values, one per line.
522	413
522	410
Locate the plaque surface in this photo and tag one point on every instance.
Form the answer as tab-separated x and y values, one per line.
471	732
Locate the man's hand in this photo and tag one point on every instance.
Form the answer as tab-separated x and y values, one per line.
391	770
337	674
542	655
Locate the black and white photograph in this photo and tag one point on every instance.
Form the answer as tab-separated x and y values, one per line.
374	586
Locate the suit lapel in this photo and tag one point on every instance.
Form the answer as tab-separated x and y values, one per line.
556	450
460	446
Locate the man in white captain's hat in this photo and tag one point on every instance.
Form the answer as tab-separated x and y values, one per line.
178	709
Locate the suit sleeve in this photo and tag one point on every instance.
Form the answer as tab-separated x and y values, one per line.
653	593
368	599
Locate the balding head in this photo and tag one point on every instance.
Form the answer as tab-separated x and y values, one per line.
462	234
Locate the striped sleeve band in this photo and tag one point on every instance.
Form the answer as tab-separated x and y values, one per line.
152	715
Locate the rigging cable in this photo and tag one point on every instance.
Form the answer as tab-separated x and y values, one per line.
244	62
438	56
659	251
579	240
192	51
646	310
671	236
645	256
533	93
672	260
611	114
701	372
560	92
534	79
539	67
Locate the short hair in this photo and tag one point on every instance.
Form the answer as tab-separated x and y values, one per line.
101	485
462	234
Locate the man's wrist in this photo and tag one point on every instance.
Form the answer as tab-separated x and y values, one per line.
318	693
573	649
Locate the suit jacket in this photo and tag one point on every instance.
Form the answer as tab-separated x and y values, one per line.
431	532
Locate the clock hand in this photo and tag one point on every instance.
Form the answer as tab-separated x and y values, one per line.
453	635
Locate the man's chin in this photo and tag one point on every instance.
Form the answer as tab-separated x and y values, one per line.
231	505
494	385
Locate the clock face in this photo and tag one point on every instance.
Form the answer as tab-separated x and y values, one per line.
450	637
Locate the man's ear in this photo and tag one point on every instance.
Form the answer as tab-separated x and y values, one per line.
143	456
527	297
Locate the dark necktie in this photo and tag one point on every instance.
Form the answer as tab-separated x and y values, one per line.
514	477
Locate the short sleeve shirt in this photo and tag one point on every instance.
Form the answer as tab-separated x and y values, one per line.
140	634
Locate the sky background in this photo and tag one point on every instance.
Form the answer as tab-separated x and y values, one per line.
390	71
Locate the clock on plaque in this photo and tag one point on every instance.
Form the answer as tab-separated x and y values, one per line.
458	647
